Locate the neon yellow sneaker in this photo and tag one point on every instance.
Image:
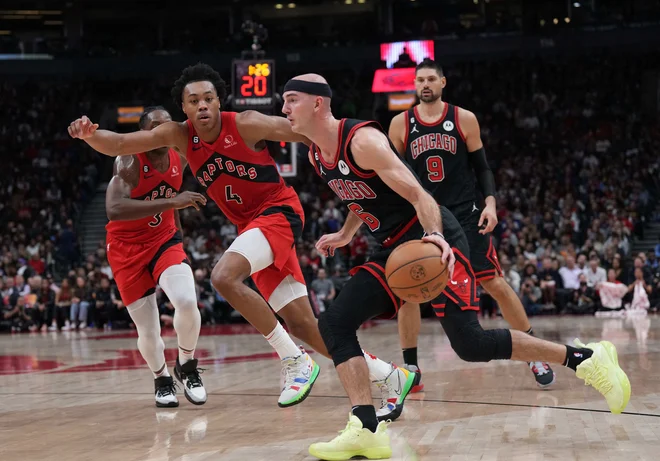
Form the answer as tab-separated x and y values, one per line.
603	373
355	441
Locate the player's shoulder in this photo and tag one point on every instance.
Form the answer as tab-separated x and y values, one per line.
248	117
365	138
465	116
127	168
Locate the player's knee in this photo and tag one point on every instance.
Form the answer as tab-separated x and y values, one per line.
224	278
184	301
474	344
496	287
339	336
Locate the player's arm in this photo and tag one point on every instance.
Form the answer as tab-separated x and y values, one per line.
371	151
254	126
397	133
121	207
170	134
477	158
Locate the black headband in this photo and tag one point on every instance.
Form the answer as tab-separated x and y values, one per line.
318	89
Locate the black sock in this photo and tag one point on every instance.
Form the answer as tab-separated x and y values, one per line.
530	331
366	414
410	356
576	355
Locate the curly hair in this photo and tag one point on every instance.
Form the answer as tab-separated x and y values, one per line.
200	72
144	118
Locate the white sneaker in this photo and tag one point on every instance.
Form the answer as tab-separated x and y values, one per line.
193	388
298	376
165	392
393	390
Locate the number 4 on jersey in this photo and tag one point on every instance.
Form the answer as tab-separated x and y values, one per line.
230	196
367	218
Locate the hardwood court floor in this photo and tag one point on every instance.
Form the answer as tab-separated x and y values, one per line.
88	396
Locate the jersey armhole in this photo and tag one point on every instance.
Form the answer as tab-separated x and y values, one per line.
351	163
458	124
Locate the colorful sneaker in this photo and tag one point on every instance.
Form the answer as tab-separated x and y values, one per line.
298	377
193	388
393	390
602	372
354	440
543	374
418	386
165	392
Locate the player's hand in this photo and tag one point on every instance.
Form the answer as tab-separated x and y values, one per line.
82	128
187	198
328	243
489	216
447	253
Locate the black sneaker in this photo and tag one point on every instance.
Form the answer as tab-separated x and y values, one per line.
165	392
543	373
193	388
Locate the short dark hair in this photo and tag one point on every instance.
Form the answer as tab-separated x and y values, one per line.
200	72
428	63
144	118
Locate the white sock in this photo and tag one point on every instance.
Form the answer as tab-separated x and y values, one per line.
378	369
282	342
178	283
163	372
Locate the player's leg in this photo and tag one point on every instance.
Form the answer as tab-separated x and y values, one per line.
486	267
144	313
178	283
596	363
361	299
249	254
410	321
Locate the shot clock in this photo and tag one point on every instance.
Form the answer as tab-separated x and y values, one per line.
253	83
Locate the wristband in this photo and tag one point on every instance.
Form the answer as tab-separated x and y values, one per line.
439	234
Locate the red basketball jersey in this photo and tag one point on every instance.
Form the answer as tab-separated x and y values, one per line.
152	185
243	183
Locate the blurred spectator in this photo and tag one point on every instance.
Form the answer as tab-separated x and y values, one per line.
641	291
611	292
62	307
583	299
324	289
595	274
80	302
531	297
570	274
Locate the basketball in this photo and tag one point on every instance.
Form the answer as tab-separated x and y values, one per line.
415	271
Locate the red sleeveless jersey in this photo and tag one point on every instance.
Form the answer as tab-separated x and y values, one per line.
243	183
152	185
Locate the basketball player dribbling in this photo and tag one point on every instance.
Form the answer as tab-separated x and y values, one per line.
442	144
360	164
227	154
144	248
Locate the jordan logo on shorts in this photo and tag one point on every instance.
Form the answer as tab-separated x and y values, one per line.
474	207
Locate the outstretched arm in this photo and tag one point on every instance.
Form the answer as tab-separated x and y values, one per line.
170	134
254	126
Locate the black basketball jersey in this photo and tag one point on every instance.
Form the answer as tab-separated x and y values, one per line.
438	154
384	211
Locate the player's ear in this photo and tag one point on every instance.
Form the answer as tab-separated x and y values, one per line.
443	81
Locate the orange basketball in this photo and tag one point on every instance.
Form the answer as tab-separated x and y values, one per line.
415	271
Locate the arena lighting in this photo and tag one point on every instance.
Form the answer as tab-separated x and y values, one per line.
5	32
577	5
348	2
542	22
291	5
567	20
279	6
555	21
362	1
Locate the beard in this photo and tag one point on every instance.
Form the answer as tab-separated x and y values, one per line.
428	98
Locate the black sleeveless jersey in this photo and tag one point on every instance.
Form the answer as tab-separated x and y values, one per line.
438	154
385	212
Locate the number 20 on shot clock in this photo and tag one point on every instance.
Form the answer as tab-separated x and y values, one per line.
253	83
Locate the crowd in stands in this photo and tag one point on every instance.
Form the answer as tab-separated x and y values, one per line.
576	165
